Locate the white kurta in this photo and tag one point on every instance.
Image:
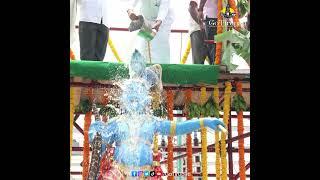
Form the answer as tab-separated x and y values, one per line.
154	10
73	14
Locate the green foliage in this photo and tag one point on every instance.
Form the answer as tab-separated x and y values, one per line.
108	110
84	106
212	108
161	111
238	103
243	7
234	42
208	109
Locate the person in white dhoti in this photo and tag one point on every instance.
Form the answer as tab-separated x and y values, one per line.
160	14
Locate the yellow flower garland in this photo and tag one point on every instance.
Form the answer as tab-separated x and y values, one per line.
188	96
155	143
217	136
226	111
155	100
113	49
155	105
170	144
72	57
203	98
71	119
203	95
186	53
173	128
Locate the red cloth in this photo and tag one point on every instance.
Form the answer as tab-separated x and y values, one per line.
157	169
107	171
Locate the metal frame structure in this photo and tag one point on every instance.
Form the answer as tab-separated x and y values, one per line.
211	148
225	76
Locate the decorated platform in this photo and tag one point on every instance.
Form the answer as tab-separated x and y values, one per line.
176	77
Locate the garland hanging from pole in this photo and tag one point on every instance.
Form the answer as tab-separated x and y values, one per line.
86	147
72	108
242	166
170	145
72	56
96	146
113	49
104	103
71	119
236	22
219	30
226	111
203	97
188	96
155	105
186	53
217	136
149	51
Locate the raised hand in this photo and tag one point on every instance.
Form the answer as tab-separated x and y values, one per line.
132	15
156	25
200	18
213	123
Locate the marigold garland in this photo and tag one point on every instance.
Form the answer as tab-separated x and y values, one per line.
204	153
95	157
72	56
72	108
217	136
155	143
170	145
203	97
188	96
219	30
155	100
155	105
226	111
242	166
113	49
104	103
86	147
235	18
71	119
186	53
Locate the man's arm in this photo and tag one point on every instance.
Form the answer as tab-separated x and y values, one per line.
202	3
162	14
193	10
200	13
163	10
130	9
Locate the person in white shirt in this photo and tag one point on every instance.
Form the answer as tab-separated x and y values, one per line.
160	14
208	14
73	9
93	29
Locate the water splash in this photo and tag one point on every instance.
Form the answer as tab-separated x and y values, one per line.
135	124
